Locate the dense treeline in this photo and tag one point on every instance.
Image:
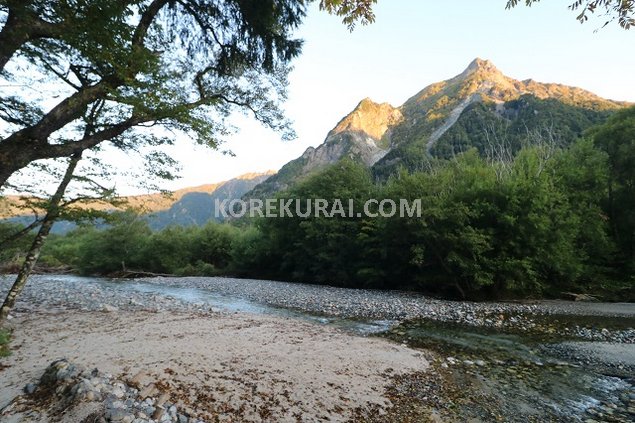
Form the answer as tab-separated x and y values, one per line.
545	221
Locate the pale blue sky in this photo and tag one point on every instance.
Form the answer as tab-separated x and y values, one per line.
412	44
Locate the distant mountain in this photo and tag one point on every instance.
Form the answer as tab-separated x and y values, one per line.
476	108
187	206
14	205
198	207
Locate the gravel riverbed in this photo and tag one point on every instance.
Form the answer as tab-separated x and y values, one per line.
518	349
190	294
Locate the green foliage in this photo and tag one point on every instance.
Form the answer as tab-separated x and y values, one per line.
128	245
118	248
523	122
492	228
533	225
351	11
613	10
12	248
320	249
544	221
5	338
617	138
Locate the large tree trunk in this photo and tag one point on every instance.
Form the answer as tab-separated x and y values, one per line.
13	35
5	173
38	242
22	26
16	153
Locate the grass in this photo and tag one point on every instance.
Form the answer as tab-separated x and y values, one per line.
5	337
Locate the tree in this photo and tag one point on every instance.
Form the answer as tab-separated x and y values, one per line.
182	65
59	206
351	11
45	228
617	138
159	62
621	10
316	248
117	249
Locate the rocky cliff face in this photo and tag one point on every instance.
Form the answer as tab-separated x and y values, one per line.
432	111
363	135
371	118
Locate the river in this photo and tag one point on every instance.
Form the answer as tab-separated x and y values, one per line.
552	361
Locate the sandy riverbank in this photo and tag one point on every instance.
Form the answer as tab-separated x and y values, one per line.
293	369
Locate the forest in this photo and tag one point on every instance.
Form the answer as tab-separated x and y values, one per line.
542	222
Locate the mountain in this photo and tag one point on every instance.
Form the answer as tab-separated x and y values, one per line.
476	108
364	134
187	206
14	205
199	207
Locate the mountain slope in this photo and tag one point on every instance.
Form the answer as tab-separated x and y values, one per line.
363	135
14	205
187	206
385	137
513	124
432	112
197	208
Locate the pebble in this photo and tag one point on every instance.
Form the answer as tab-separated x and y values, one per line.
30	388
109	309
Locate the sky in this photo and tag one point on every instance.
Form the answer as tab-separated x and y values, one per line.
414	43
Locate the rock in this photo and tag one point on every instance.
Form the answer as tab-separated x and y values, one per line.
118	392
148	391
148	410
107	308
163	398
480	363
182	418
60	371
114	404
30	388
158	413
118	415
137	380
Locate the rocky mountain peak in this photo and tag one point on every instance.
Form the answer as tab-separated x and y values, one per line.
369	117
481	73
481	65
